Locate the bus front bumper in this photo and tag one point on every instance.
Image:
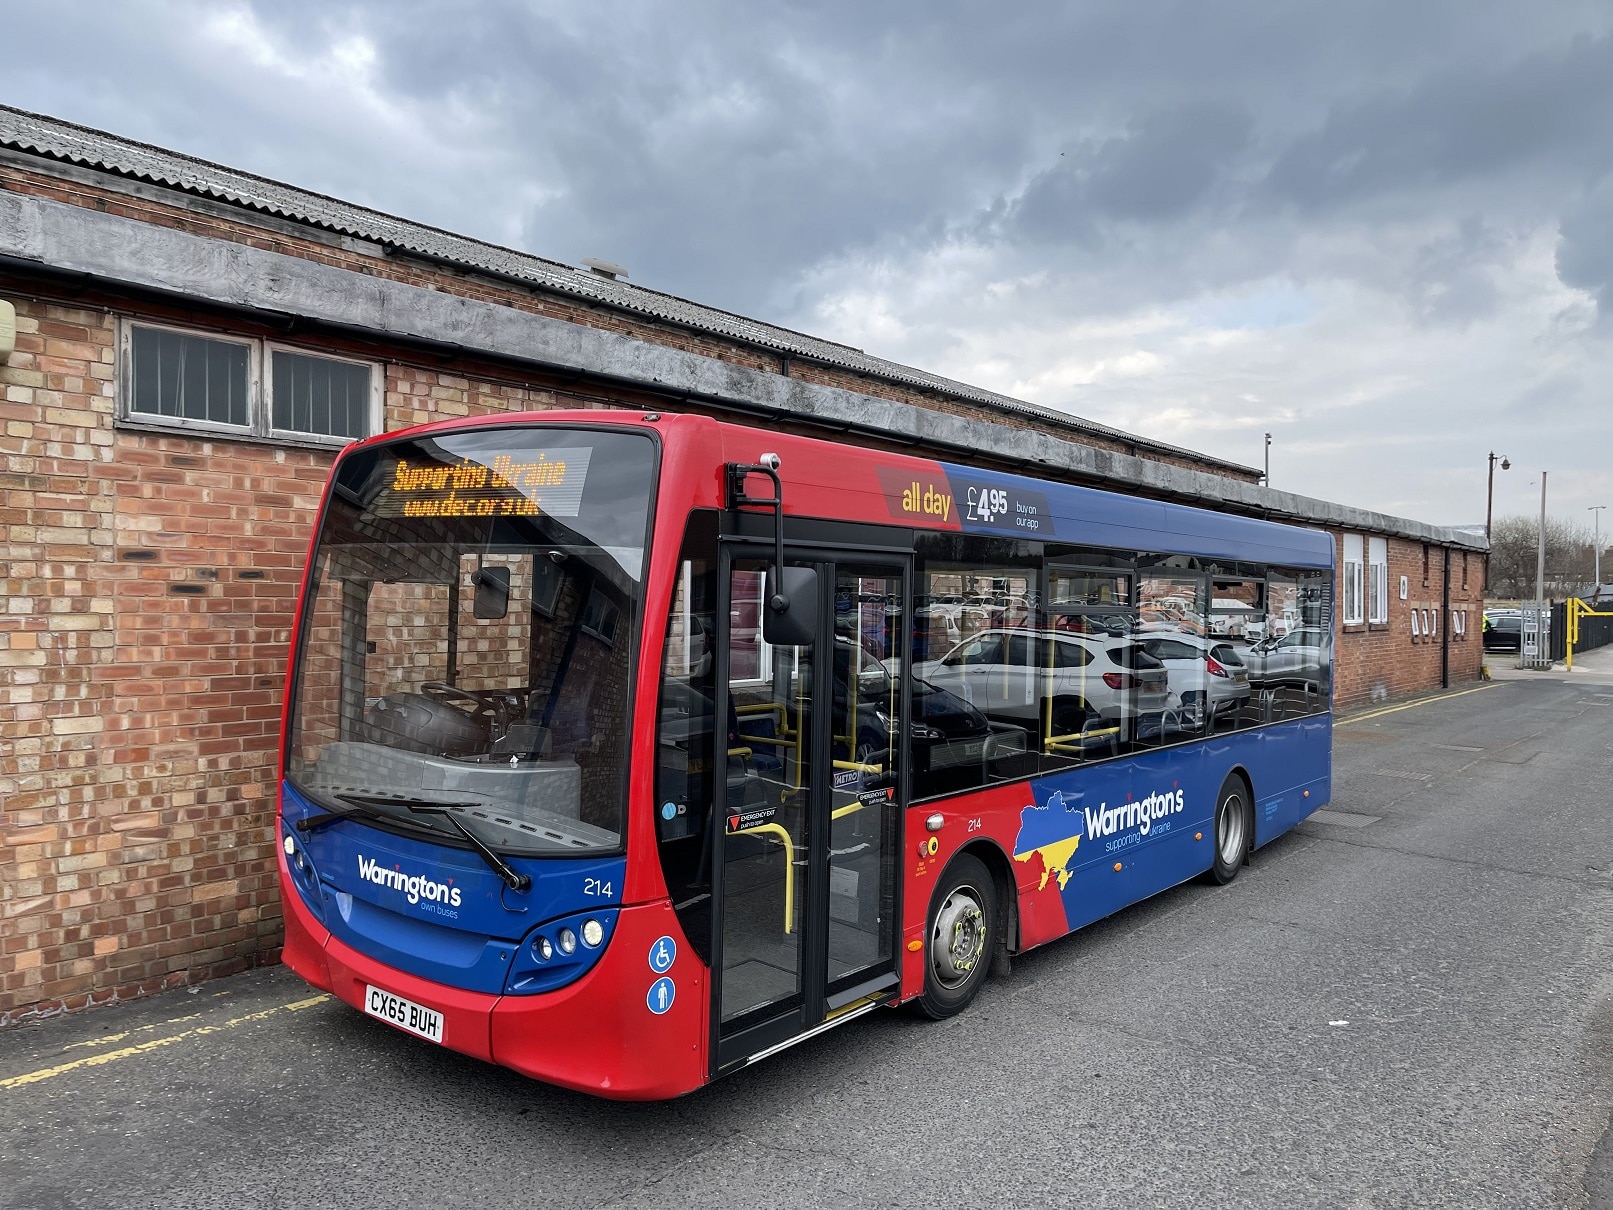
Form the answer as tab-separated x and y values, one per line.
598	1035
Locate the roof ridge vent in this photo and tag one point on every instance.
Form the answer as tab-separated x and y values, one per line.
604	268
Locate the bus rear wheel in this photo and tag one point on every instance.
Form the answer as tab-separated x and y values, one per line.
960	937
1234	830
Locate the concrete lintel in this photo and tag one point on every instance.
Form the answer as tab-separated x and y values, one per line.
146	256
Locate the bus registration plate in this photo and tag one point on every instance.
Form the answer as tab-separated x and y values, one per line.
417	1019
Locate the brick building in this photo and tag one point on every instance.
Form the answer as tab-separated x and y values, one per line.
151	553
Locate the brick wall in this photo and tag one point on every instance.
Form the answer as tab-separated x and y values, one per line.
148	584
1376	661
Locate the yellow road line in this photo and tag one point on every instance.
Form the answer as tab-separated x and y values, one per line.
45	1073
111	1038
1444	697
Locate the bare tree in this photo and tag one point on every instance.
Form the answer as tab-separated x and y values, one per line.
1569	557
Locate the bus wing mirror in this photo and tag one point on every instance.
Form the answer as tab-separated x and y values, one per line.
492	593
790	618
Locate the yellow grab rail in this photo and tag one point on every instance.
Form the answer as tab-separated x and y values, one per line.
773	829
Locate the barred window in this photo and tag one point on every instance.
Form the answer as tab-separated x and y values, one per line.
202	381
183	376
320	394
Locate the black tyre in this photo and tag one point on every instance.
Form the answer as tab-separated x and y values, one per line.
1234	830
960	938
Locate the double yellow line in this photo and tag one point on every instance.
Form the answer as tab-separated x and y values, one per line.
140	1048
1444	697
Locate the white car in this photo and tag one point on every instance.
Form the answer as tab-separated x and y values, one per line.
1205	674
1009	676
1300	658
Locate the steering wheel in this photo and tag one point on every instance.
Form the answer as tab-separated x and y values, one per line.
488	705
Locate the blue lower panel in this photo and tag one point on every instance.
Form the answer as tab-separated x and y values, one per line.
436	910
472	961
1144	811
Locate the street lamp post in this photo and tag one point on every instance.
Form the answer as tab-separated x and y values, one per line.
1596	543
1489	509
1540	547
1267	478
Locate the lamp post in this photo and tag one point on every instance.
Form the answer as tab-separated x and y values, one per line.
1540	547
1595	511
1489	509
1267	479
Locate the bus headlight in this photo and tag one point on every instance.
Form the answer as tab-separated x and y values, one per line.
550	956
290	846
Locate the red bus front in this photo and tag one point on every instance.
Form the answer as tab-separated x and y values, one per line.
453	831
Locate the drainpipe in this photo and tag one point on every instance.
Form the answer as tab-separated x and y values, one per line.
1445	626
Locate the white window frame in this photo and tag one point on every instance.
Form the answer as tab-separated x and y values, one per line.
1378	579
1353	607
155	420
377	395
260	391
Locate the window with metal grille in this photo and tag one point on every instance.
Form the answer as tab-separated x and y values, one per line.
185	377
187	381
319	395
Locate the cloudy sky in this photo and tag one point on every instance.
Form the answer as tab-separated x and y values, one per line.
1381	231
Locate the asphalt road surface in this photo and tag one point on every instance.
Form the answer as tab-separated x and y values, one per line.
1406	1002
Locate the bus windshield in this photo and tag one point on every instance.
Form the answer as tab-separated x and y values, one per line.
467	637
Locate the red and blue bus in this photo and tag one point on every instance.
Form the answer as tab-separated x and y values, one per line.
624	749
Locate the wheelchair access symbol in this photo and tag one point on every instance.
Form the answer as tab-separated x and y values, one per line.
662	954
662	992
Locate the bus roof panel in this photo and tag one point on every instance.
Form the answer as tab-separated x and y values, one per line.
1013	505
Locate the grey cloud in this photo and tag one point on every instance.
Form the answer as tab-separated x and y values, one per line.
1585	247
1163	164
838	164
1552	109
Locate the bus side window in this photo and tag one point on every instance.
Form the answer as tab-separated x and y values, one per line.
685	773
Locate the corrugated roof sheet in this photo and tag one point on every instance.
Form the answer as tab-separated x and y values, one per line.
81	145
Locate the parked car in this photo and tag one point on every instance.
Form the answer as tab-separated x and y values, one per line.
1092	678
1301	658
1505	630
1206	676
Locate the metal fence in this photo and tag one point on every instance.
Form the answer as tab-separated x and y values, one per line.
1594	632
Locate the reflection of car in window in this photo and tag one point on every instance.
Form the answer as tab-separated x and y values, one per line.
1301	657
1207	677
1016	675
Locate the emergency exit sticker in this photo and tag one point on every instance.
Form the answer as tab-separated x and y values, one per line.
751	819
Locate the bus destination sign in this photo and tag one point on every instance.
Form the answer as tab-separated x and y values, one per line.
527	483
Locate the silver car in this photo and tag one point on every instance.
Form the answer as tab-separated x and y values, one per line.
1207	676
1024	677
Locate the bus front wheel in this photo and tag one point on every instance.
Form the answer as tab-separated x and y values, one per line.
1234	829
960	939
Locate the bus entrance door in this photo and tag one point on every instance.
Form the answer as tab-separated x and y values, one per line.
806	868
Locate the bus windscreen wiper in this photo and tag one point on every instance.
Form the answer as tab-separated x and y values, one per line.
512	877
312	823
368	806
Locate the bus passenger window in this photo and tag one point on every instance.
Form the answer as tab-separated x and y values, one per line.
684	799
